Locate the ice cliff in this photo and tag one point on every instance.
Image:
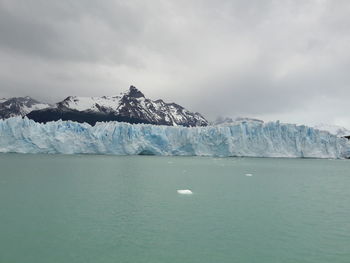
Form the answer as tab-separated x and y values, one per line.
257	139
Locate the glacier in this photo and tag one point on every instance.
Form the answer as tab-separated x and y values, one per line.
246	138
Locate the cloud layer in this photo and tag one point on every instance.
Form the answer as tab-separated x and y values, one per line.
270	59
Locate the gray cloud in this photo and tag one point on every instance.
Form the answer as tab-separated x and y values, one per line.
270	59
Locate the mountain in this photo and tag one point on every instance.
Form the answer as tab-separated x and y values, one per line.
20	106
227	120
333	129
130	106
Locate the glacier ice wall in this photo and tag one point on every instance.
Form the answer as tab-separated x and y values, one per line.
256	139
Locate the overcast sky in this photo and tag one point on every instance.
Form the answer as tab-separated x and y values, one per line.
287	60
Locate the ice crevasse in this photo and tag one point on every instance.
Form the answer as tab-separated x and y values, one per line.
255	139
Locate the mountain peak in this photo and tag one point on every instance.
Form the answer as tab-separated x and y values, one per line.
130	106
21	100
19	106
333	129
134	92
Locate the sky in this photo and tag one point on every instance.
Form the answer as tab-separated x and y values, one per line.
268	59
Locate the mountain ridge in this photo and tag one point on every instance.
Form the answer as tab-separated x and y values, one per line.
19	106
131	106
333	129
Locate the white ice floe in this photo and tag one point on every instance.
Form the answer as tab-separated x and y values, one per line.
184	192
248	175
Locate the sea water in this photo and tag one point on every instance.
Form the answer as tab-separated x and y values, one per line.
88	208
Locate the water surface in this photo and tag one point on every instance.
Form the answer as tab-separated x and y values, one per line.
86	208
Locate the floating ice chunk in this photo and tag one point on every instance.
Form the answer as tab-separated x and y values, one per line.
248	175
184	192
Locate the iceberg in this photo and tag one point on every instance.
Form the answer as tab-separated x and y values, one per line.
184	192
246	138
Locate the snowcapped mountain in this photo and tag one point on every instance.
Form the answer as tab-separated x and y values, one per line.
130	106
228	120
20	106
333	129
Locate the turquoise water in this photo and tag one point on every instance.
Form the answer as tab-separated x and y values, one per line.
56	208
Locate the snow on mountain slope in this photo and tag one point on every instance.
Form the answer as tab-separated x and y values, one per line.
245	139
228	120
333	129
91	103
130	106
19	106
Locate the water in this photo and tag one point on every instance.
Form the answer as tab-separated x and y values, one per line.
127	209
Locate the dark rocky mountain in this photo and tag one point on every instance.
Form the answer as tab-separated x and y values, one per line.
131	106
19	106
